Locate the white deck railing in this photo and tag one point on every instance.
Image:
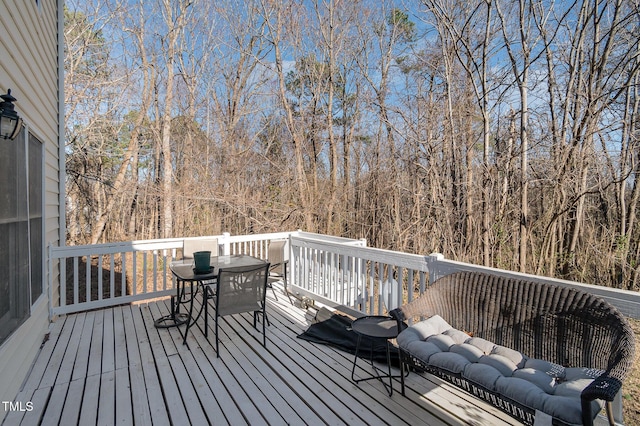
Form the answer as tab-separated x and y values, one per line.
356	277
337	271
373	281
101	275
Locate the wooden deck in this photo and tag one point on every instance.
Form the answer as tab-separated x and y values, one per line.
112	366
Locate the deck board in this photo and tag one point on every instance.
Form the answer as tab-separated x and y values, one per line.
124	411
113	366
39	399
120	338
139	403
56	403
89	407
106	398
94	366
84	347
68	362
71	409
108	342
151	385
55	362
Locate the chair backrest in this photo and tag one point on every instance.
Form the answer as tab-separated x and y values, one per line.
191	246
241	289
278	255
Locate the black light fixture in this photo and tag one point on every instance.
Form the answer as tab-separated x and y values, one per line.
9	119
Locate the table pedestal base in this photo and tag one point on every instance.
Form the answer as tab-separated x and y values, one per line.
171	320
175	318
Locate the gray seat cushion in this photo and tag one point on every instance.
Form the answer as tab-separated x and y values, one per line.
537	384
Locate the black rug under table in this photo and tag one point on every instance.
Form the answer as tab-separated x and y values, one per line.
336	331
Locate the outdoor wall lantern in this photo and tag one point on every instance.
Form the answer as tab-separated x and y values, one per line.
9	119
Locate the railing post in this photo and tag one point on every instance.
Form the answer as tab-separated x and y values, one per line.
226	245
434	270
62	265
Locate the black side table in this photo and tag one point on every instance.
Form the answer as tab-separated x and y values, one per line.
382	328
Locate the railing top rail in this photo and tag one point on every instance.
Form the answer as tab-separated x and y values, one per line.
255	237
628	302
405	260
446	266
112	248
157	244
331	238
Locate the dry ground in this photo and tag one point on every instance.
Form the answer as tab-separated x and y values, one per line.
631	388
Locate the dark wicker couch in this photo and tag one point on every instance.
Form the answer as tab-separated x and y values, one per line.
571	330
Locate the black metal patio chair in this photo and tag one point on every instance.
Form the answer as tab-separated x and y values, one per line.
238	290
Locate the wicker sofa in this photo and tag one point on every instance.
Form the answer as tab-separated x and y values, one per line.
541	353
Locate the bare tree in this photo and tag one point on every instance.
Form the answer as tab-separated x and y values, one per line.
521	63
473	37
281	19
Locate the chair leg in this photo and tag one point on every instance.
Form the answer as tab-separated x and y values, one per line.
189	323
402	366
217	349
265	321
264	318
284	282
205	300
264	330
609	407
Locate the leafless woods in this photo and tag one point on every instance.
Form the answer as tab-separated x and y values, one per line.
497	132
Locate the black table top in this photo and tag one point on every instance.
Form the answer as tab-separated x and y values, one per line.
376	326
184	269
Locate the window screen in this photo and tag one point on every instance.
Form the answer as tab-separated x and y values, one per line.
20	230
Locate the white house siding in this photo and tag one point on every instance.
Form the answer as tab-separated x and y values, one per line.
29	67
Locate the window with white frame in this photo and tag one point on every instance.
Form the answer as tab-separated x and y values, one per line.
21	229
